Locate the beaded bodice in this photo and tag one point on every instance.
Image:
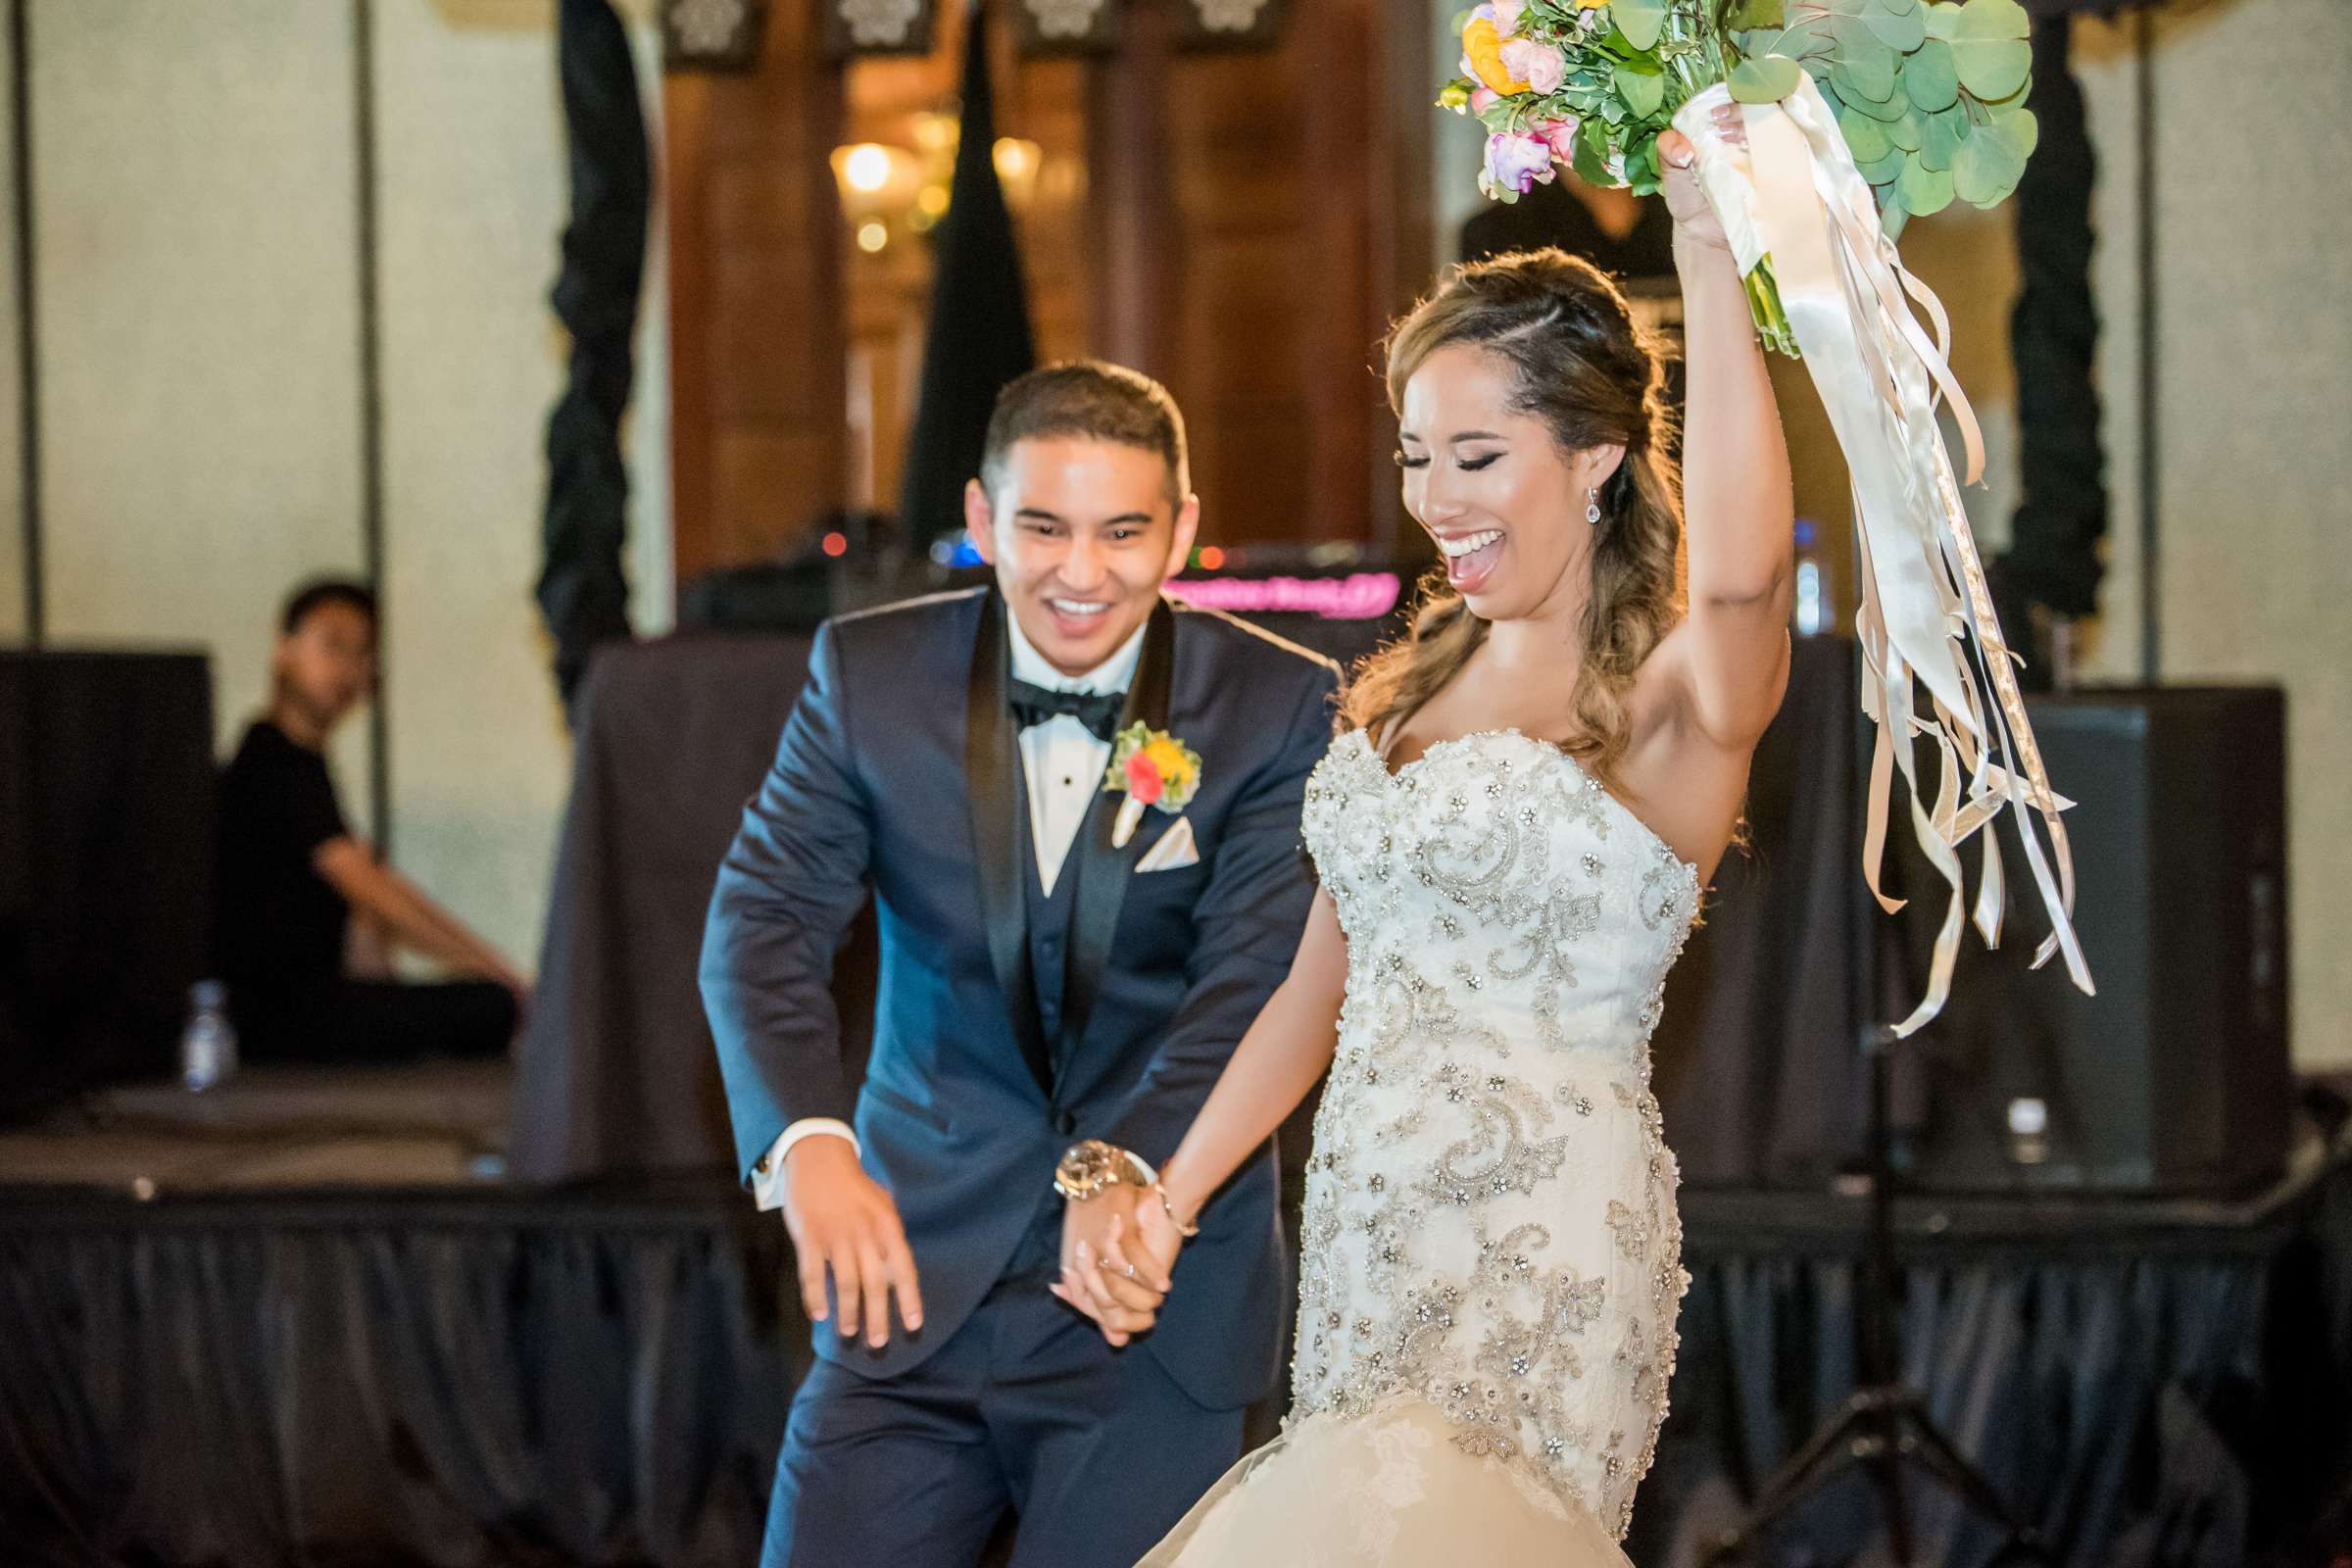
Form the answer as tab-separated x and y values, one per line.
1490	1220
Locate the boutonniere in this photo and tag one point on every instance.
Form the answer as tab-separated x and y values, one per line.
1151	767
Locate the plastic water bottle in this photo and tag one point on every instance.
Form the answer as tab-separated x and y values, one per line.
207	1045
1812	612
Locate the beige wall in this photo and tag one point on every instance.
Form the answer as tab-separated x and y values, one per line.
11	497
201	396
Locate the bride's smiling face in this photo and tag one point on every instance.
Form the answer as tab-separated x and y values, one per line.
1503	500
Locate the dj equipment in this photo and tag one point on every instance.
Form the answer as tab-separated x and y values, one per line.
106	855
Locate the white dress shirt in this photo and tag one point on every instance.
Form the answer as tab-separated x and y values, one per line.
1063	764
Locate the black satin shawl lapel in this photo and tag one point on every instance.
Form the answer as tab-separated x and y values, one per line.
993	790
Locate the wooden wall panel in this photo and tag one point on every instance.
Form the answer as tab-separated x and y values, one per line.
756	349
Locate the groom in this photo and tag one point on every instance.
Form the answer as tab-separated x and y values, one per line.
1064	971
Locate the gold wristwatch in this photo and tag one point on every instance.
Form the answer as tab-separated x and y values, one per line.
1089	1167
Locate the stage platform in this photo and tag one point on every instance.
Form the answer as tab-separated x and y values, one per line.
303	1318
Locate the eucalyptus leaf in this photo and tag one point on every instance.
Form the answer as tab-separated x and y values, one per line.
1993	68
1865	138
1907	132
1945	133
1924	190
1884	103
1867	63
2031	131
1943	19
1765	80
1930	78
1885	111
1643	91
1747	13
1881	170
2018	129
1985	169
1993	20
1898	30
1642	22
1891	219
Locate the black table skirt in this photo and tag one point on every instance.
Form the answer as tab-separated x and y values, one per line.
602	1380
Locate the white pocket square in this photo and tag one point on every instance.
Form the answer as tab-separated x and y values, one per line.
1174	850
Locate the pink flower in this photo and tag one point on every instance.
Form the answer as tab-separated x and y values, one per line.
1483	99
1560	136
1506	16
1541	66
1516	163
1144	782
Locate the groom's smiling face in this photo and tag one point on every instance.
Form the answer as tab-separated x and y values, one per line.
1082	533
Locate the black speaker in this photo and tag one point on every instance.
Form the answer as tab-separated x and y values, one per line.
2175	1079
106	859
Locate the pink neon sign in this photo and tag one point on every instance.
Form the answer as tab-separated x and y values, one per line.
1360	596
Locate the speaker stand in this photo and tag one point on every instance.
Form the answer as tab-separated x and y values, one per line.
1885	1429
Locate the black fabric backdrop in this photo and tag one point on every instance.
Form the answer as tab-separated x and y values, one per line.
616	1073
500	1381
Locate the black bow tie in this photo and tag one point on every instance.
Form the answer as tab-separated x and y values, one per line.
1098	712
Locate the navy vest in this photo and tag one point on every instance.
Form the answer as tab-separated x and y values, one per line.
1050	919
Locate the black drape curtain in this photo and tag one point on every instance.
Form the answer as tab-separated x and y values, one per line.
584	591
2053	559
484	1384
977	337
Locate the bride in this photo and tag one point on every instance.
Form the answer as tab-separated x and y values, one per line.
1511	832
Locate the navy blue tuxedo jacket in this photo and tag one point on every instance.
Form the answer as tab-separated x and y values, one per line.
898	771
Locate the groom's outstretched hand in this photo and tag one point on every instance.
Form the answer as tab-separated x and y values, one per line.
842	1219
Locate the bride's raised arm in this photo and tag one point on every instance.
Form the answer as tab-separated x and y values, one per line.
1731	656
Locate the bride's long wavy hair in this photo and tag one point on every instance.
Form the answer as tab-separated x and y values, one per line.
1561	330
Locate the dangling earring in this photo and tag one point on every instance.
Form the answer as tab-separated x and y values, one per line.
1592	505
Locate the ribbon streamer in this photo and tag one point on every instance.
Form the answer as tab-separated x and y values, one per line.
1794	196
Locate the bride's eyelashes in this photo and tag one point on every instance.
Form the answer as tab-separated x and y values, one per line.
1467	466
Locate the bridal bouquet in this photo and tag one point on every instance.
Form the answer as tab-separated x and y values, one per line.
1857	114
1927	96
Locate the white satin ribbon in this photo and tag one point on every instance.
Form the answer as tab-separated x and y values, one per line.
1793	195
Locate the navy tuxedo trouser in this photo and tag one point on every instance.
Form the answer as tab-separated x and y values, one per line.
1026	1408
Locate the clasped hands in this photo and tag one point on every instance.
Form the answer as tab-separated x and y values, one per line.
1117	1248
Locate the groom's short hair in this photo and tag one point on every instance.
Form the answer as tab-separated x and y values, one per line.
1088	399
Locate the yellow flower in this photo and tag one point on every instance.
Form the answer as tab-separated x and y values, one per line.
1174	767
1591	5
1483	48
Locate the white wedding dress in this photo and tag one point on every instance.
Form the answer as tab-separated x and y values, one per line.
1492	1256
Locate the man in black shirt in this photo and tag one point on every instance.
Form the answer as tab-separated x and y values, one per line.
306	981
